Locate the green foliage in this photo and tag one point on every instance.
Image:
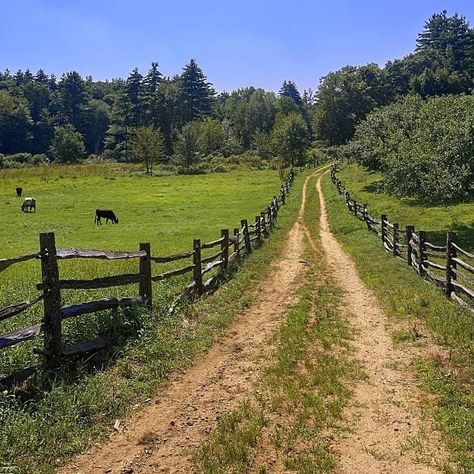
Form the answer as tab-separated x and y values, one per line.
424	148
187	147
67	145
442	64
20	160
262	144
290	139
148	146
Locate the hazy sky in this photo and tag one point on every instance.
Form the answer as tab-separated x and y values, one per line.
237	43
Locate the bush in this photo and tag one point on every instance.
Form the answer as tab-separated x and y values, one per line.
20	160
425	149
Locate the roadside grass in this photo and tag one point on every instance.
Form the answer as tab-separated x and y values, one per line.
296	408
60	414
435	220
447	370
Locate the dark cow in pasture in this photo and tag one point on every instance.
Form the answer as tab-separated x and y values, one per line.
29	205
18	192
106	214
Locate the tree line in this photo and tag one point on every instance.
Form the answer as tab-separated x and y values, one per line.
147	117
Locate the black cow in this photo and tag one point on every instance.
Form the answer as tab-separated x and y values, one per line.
18	192
106	214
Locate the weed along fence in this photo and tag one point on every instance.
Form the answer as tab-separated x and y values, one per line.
225	250
448	266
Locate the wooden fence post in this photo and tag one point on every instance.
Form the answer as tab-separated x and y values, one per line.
450	265
237	242
270	217
52	297
383	228
365	215
395	251
409	229
421	251
225	248
275	200
258	229
145	287
197	271
354	203
264	224
245	230
282	196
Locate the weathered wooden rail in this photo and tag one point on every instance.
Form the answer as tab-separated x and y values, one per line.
448	266
229	249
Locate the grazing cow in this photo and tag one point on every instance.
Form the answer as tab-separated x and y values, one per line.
18	192
29	205
106	214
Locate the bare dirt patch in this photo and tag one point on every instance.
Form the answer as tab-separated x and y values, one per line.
388	429
164	435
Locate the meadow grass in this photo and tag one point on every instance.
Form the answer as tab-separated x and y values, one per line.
62	413
414	304
296	407
434	219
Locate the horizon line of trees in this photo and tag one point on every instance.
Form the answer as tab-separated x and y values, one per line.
146	117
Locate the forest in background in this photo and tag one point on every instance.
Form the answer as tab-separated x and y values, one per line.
181	119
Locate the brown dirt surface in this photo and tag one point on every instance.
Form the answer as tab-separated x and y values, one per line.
163	436
389	432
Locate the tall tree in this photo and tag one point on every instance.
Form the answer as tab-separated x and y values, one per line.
197	93
449	35
73	97
67	145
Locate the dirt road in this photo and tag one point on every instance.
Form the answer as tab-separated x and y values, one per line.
385	416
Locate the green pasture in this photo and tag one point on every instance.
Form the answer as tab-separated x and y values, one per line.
436	220
168	212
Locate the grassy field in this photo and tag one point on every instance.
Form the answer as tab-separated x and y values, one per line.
62	414
416	307
436	220
167	211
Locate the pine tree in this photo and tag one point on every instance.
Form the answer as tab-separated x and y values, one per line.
197	93
133	95
149	97
289	89
450	36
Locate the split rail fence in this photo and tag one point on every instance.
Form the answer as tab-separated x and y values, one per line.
230	248
448	266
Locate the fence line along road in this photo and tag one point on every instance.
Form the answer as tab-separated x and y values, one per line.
449	266
229	249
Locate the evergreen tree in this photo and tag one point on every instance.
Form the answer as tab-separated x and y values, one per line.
149	97
197	93
133	95
289	89
72	97
450	36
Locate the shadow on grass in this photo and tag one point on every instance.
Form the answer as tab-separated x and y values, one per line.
120	327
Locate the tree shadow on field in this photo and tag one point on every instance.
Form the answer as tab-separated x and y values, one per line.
464	236
119	327
377	187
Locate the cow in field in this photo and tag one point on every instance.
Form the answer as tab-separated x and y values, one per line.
106	214
18	192
29	205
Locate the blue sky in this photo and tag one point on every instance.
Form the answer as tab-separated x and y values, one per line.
237	43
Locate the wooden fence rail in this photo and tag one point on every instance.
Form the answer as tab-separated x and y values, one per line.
230	249
440	264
